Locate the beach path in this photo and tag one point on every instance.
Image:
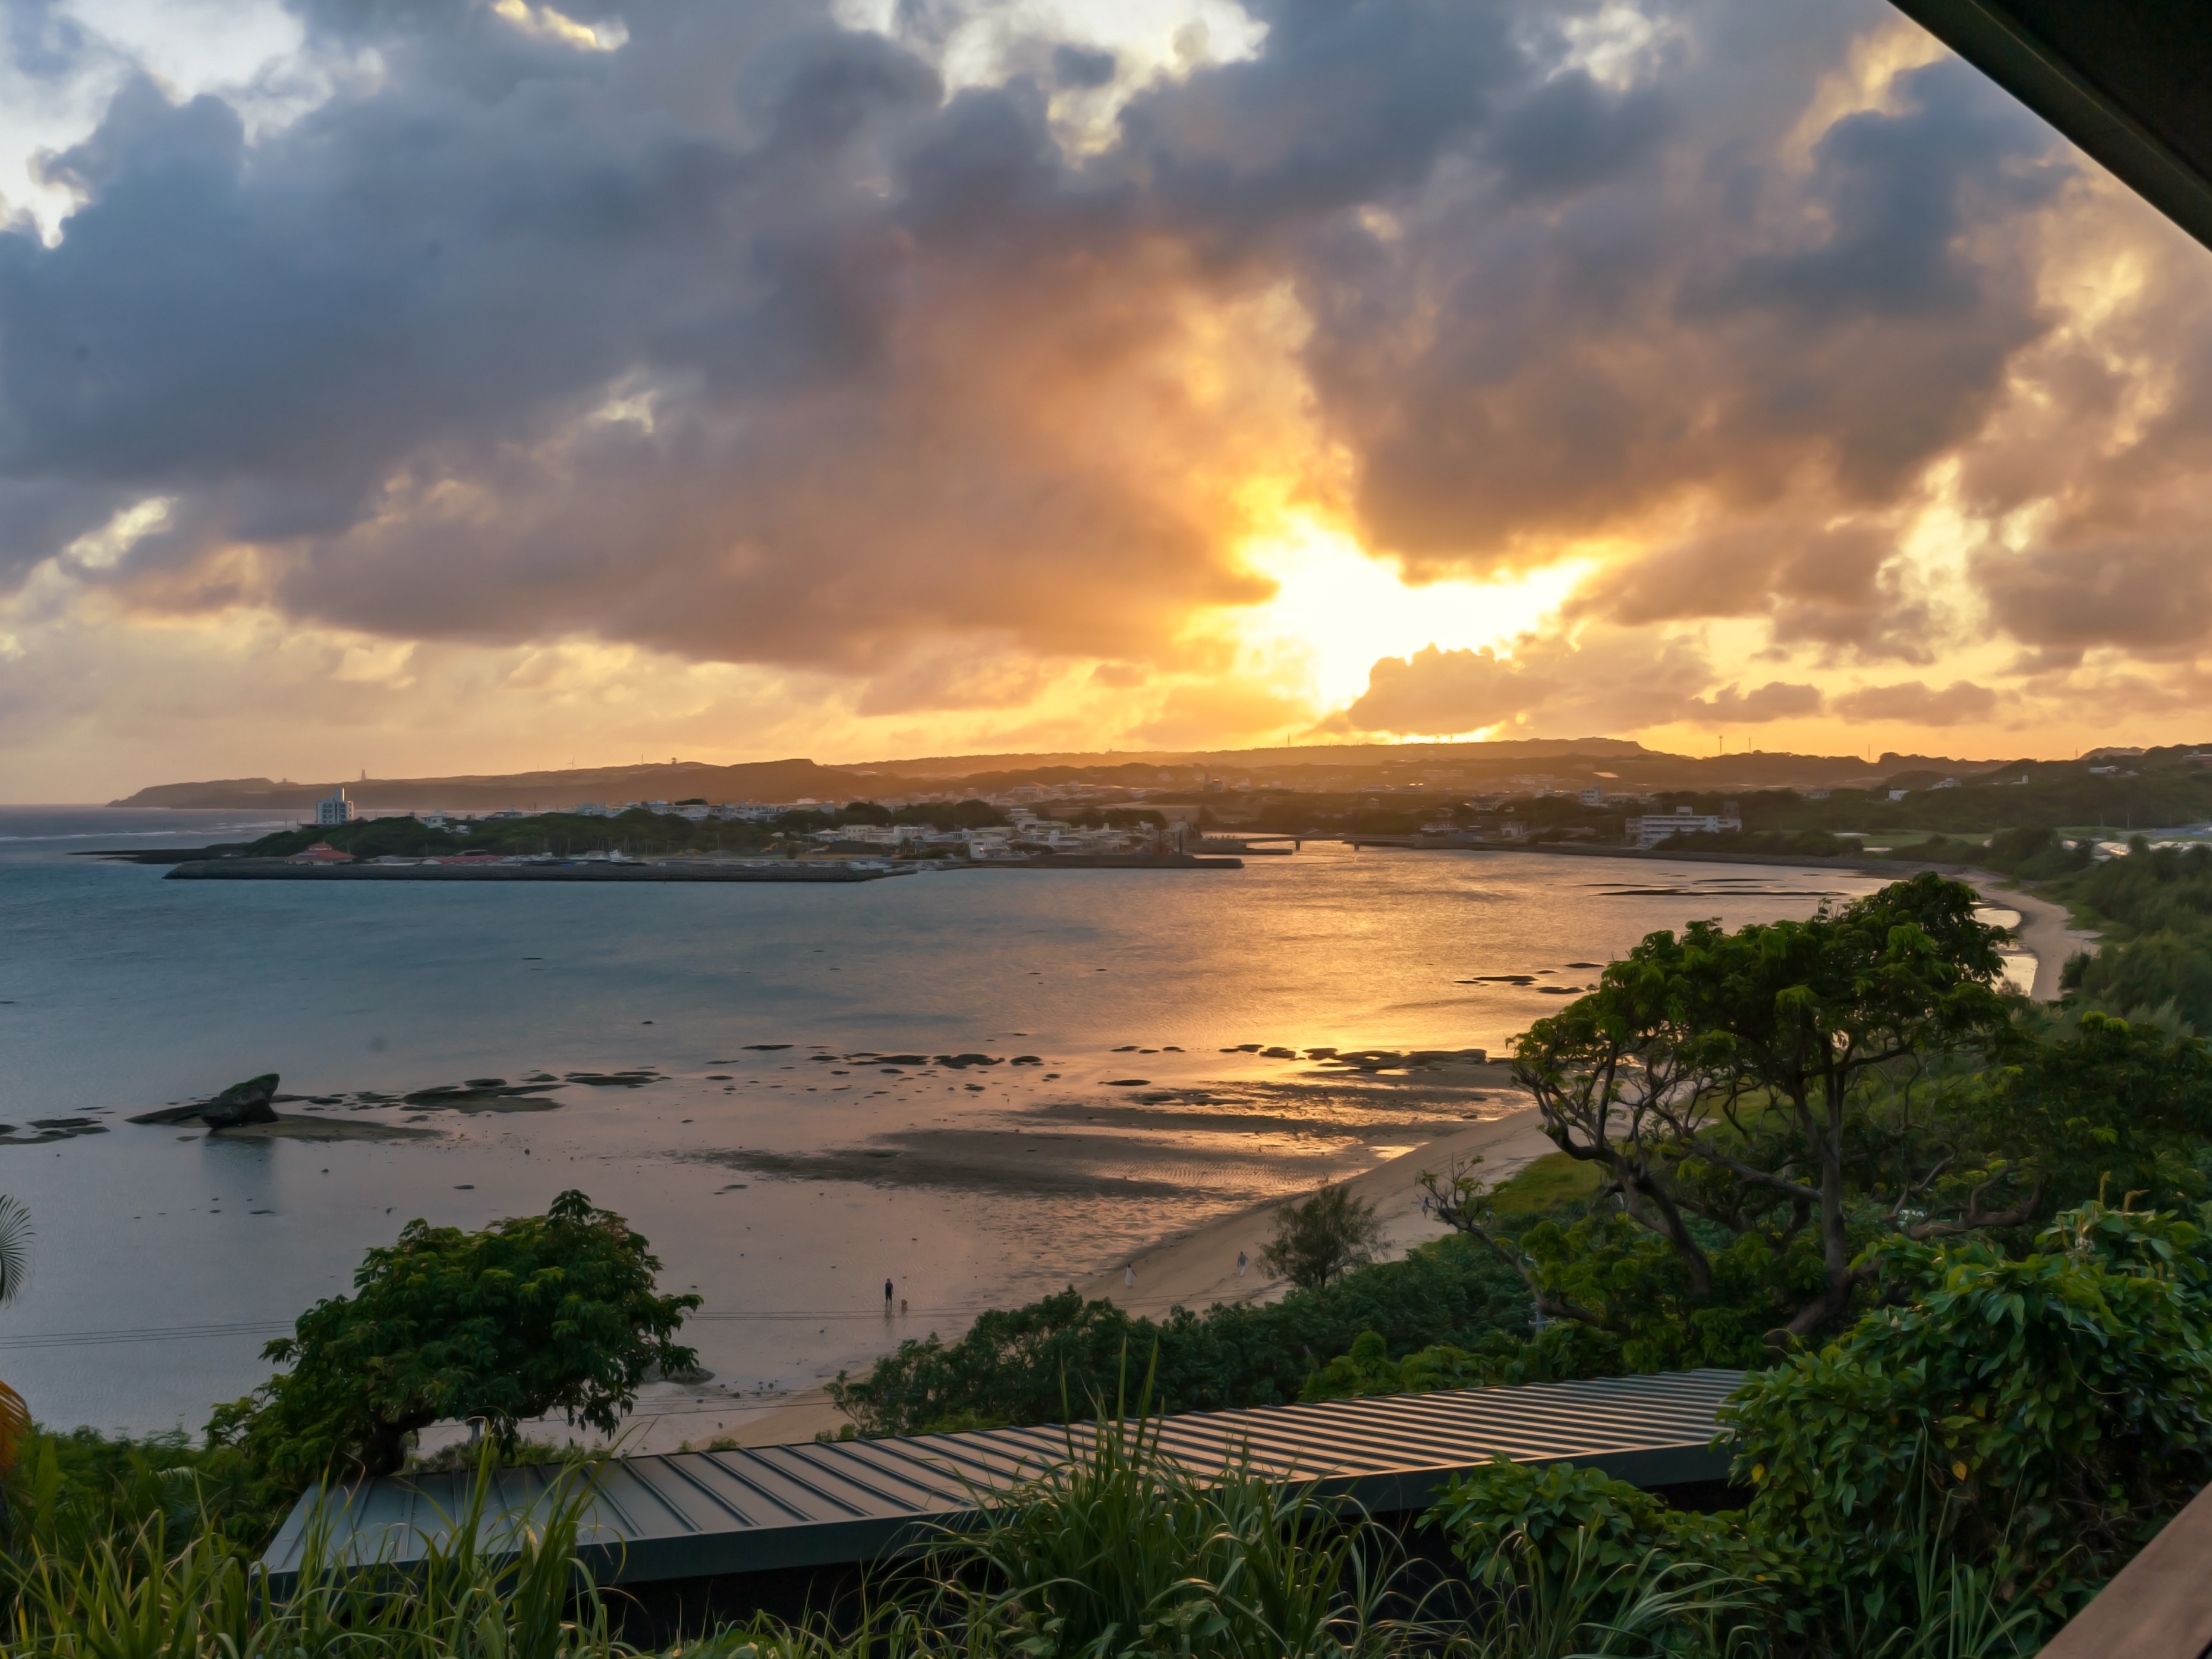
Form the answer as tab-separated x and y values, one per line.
2047	932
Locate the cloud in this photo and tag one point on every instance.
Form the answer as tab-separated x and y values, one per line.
1776	700
740	335
1840	588
1595	680
1915	703
2152	597
1440	693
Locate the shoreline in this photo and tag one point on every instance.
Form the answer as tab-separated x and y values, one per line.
2047	930
1194	1268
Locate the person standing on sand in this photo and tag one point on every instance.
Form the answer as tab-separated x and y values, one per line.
1129	1275
887	1296
1241	1264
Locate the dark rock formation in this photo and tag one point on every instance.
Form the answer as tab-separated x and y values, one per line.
242	1103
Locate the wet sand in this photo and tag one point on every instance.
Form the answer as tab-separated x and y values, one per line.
1199	1268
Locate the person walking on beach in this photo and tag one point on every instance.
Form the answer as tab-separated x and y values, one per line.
1241	1264
1129	1275
887	1296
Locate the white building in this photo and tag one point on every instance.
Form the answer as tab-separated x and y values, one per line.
334	809
592	809
872	834
1653	828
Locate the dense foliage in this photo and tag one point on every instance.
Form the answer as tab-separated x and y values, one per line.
1039	1363
2154	907
532	1315
2052	1408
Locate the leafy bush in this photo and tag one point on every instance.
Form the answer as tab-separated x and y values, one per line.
2052	1411
1574	1554
1494	1359
1038	1363
534	1314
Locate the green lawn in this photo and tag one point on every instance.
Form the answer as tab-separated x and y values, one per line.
1552	1180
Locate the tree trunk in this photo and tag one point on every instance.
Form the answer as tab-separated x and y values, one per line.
386	1450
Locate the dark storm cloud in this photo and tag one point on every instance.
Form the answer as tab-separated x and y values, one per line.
1838	589
1084	68
1695	314
2152	597
41	41
748	342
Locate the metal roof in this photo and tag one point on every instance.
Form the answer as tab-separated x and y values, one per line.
2124	79
689	1515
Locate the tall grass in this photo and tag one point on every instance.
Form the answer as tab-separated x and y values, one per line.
490	1586
1118	1549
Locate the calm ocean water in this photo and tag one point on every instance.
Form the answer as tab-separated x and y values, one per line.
163	1258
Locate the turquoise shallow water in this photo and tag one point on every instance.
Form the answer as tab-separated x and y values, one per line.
164	1258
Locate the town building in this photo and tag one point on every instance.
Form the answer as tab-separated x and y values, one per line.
1652	828
872	834
334	808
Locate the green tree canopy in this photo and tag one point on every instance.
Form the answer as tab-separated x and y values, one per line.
532	1315
1742	1092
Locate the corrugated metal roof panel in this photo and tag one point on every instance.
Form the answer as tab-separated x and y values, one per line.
696	1514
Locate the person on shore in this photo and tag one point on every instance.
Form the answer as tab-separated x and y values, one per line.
887	1296
1129	1275
1242	1263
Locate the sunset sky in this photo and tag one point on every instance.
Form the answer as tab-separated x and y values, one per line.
428	386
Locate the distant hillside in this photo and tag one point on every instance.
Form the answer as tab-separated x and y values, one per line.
781	780
1567	763
1332	756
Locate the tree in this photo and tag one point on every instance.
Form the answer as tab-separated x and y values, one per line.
534	1314
1316	1240
1726	1083
14	1272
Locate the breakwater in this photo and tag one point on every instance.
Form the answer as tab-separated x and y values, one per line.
282	870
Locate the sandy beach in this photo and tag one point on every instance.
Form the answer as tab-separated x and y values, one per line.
1193	1269
2047	932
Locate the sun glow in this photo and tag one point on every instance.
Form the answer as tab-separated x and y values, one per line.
1338	609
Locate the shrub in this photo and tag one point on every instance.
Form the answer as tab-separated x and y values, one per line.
1031	1364
2047	1414
532	1315
1318	1240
